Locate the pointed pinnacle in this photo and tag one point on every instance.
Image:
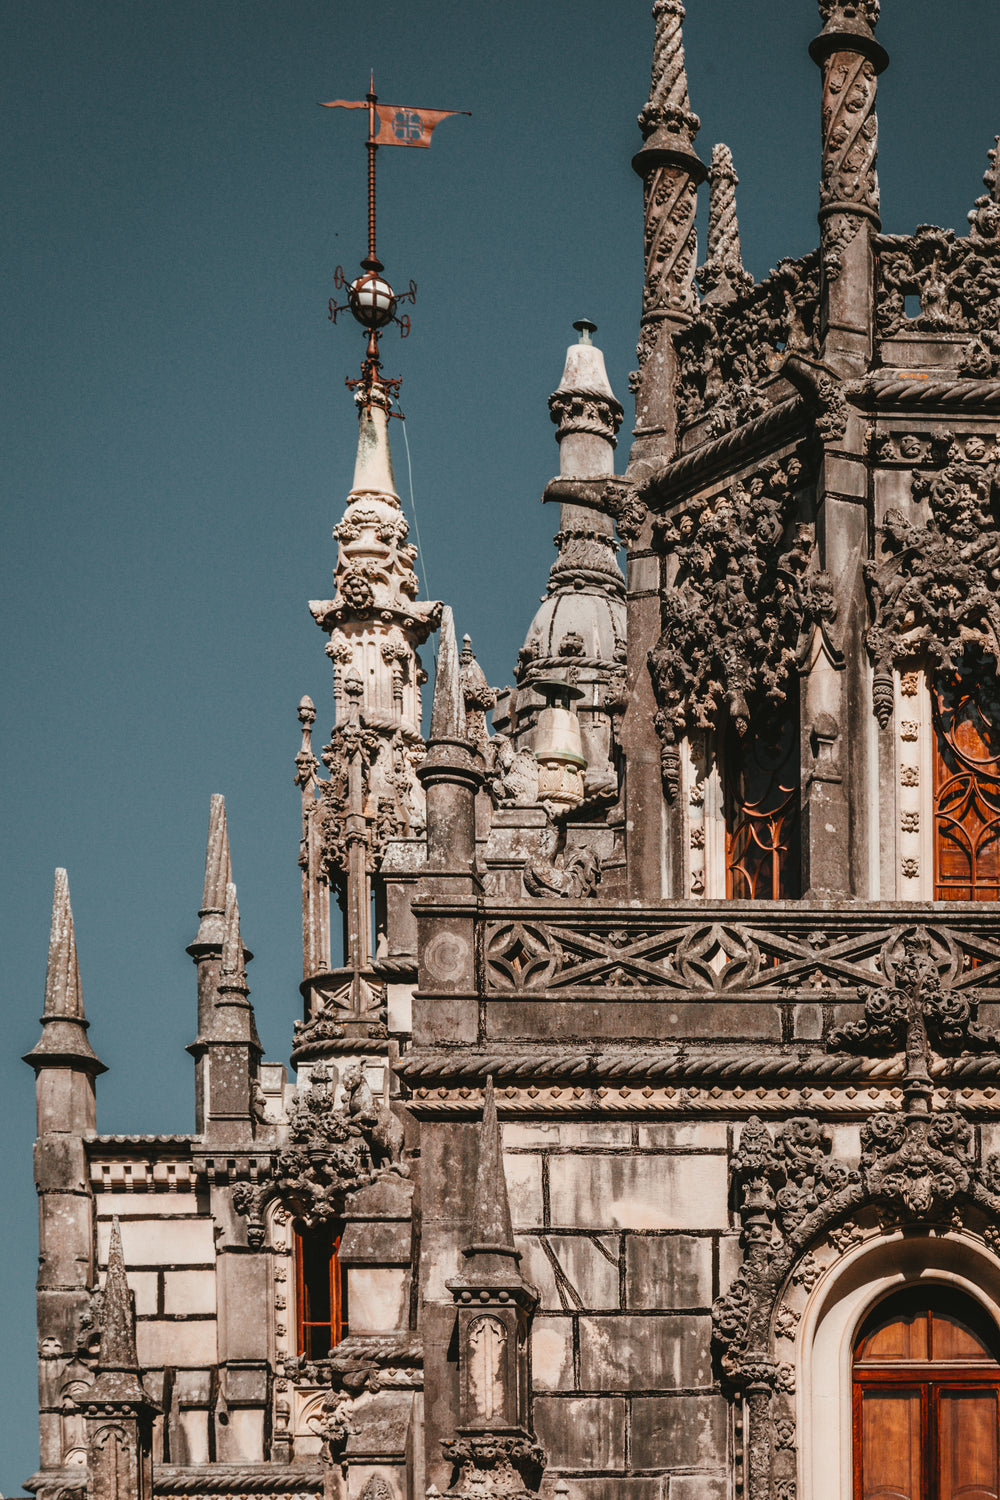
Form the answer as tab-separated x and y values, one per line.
233	975
491	1224
62	976
448	708
64	1028
118	1363
669	105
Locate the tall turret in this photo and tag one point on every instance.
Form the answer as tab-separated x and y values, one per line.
375	625
65	1069
578	632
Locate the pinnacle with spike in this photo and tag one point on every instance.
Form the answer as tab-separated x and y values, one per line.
448	707
218	874
723	277
64	1034
118	1363
669	107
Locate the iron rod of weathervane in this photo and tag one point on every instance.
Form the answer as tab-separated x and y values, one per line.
371	148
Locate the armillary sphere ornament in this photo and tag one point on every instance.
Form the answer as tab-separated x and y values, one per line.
370	298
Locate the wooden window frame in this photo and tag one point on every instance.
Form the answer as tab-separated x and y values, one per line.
336	1326
973	785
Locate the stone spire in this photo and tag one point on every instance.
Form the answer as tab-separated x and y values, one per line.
206	950
372	795
117	1362
722	276
492	1233
64	1027
578	632
218	874
119	1413
448	706
671	171
230	1040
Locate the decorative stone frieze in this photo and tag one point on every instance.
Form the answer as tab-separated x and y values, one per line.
957	282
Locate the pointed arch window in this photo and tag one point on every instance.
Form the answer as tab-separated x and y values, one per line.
320	1290
762	780
926	1382
966	711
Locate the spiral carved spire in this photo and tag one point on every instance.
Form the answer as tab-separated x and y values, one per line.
668	105
722	276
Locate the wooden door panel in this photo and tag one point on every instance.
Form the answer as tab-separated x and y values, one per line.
967	1444
891	1424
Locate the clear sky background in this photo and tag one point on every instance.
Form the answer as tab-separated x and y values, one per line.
177	440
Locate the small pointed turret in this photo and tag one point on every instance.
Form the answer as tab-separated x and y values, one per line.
64	1035
206	950
492	1233
119	1413
448	707
722	277
117	1362
218	874
230	1040
495	1305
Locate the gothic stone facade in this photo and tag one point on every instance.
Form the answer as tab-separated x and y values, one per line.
664	1051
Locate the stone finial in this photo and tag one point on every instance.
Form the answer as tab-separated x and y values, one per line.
62	975
218	874
448	708
64	1034
117	1363
722	276
492	1232
233	976
668	105
584	405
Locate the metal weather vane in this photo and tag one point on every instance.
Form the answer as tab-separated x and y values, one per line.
370	298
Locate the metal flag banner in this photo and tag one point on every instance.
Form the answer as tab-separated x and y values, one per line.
398	124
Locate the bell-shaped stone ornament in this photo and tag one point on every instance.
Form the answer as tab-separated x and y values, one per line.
559	744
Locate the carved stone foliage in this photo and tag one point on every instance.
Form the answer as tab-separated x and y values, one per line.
730	350
956	280
490	1464
790	1193
626	509
330	1152
947	1017
740	611
933	587
388	793
367	1363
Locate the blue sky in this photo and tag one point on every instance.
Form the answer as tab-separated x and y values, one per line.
178	441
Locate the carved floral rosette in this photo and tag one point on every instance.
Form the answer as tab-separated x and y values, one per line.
933	586
738	617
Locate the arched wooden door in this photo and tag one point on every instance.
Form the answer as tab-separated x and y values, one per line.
967	783
926	1391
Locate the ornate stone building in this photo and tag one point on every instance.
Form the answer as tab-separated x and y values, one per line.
645	1141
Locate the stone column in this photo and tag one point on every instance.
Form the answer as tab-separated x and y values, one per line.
671	171
835	695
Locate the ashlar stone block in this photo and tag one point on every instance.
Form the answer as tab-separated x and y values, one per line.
629	1353
639	1192
684	1432
668	1271
552	1354
568	1426
188	1291
377	1298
